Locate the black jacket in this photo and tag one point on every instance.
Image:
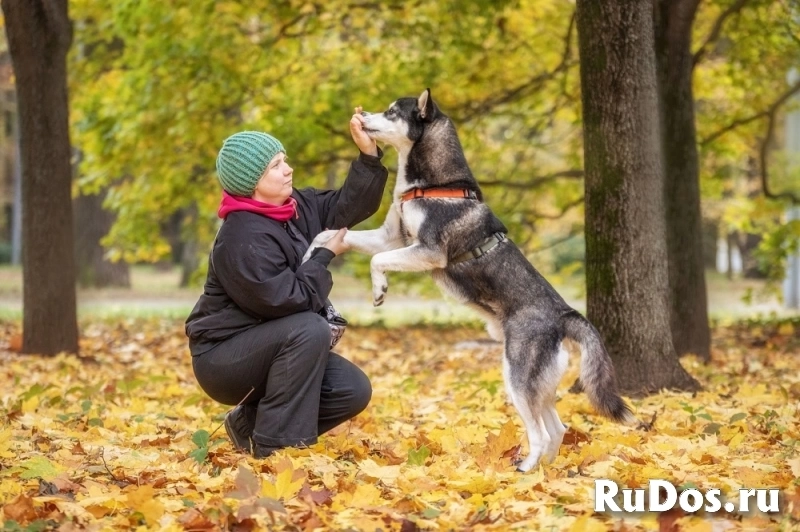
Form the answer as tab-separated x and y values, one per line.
254	269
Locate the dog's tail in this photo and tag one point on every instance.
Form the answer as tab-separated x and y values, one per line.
597	373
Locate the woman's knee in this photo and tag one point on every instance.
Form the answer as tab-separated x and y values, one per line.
313	331
361	392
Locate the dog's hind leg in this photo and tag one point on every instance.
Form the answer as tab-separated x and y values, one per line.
555	428
538	435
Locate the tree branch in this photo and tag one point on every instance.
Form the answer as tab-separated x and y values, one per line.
771	110
716	30
473	109
535	182
763	156
283	31
575	231
564	210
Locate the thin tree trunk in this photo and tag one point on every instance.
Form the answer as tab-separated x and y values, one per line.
626	256
189	257
39	35
731	239
687	281
92	223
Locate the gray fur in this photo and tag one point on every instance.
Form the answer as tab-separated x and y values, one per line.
519	305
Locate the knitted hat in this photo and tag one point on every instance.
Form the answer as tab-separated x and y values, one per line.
243	159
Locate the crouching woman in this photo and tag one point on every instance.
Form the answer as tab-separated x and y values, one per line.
260	326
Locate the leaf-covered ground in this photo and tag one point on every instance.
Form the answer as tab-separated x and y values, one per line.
121	437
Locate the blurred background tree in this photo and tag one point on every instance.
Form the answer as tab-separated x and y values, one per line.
166	81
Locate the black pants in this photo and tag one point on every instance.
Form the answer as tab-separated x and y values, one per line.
301	388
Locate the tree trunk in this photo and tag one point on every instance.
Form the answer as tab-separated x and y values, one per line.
626	255
39	35
190	256
687	281
92	223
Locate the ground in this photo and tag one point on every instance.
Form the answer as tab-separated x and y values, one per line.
121	437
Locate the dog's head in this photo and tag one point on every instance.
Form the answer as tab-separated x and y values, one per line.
404	122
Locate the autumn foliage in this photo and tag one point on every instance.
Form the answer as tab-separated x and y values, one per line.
121	437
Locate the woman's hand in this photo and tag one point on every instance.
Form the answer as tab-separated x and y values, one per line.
360	137
337	243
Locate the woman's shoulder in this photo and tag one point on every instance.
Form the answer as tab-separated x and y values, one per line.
306	197
307	201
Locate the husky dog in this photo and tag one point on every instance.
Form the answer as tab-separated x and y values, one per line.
439	223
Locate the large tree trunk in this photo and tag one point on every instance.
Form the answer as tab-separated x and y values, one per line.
92	223
687	281
39	35
626	256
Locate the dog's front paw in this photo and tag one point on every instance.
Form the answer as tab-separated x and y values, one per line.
379	288
320	240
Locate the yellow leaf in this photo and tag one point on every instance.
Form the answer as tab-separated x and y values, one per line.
736	441
5	443
794	464
586	523
385	473
507	439
288	481
143	500
482	484
367	495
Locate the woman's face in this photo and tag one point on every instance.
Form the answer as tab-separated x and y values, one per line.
275	185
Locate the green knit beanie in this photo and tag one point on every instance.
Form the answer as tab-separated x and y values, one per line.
243	159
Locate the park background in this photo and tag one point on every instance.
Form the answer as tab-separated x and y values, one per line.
119	435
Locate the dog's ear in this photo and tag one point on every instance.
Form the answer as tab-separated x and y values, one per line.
425	105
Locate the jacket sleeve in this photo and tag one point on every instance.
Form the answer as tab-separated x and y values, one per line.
256	275
359	197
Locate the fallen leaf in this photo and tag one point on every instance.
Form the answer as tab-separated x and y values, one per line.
15	343
385	473
317	497
194	519
20	509
247	484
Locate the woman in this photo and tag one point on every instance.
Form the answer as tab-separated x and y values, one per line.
257	328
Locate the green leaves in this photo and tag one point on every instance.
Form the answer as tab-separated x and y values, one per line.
160	84
39	467
156	86
737	417
202	439
418	456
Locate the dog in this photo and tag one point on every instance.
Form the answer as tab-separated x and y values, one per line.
438	222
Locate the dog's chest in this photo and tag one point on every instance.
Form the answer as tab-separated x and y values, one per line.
449	286
412	217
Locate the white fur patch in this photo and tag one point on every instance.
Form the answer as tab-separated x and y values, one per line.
392	132
413	217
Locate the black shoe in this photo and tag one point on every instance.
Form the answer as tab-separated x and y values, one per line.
263	451
233	426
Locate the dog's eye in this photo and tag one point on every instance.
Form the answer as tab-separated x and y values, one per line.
390	112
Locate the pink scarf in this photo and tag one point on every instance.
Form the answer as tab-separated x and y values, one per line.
281	213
